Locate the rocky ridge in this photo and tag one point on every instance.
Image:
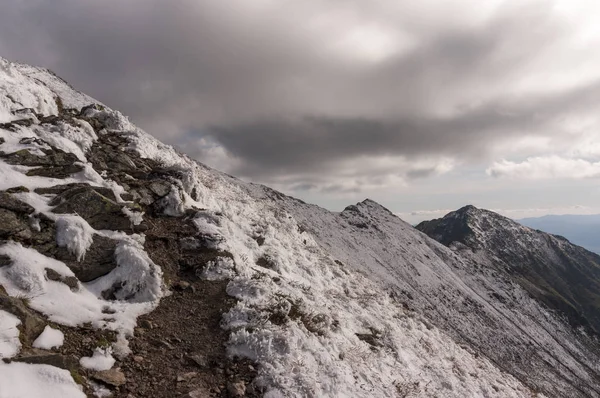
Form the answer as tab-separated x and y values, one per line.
563	276
167	278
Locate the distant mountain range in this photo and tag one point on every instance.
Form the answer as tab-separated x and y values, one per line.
583	230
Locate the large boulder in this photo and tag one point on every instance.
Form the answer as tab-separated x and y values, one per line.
95	205
98	261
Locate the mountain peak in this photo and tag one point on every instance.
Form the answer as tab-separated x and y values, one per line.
560	274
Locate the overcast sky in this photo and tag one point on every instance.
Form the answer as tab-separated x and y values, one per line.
421	105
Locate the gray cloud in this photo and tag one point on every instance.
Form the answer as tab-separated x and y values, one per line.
267	81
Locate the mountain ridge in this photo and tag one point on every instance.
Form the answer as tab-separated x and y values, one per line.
239	289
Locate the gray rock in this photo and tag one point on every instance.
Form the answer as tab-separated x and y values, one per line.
60	361
201	392
100	211
54	157
70	281
112	377
52	275
160	187
199	360
31	323
11	203
236	389
5	260
56	172
11	226
99	260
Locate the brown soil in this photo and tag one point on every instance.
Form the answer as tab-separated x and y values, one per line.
182	340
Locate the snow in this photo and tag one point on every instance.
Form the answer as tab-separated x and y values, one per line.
102	359
303	357
21	380
320	314
49	338
140	278
9	335
25	277
74	233
136	217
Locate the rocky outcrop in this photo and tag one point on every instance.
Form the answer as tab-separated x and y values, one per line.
562	276
171	240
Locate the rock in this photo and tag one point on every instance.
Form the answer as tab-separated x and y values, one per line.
11	226
99	260
58	189
160	187
53	157
72	282
146	324
98	209
112	377
5	260
186	377
91	109
56	172
52	275
201	392
60	361
182	285
13	204
18	189
138	359
199	360
236	389
31	323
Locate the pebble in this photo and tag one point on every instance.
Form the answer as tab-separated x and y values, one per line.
236	389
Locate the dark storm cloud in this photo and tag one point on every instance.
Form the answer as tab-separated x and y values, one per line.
313	144
265	84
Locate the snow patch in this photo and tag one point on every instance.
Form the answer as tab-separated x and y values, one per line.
135	279
74	233
36	381
102	359
49	338
9	335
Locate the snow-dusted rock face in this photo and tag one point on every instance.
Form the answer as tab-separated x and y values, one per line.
234	284
456	290
563	276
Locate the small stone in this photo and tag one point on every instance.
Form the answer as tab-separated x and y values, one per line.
237	389
5	260
198	393
57	360
160	188
146	324
182	285
18	189
199	360
72	282
186	376
138	359
113	377
52	275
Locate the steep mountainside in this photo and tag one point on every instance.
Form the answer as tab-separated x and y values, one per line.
583	230
128	269
478	305
563	276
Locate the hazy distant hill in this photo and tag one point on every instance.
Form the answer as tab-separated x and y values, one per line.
583	230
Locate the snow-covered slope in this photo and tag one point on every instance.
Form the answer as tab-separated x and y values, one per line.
562	275
457	291
357	304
